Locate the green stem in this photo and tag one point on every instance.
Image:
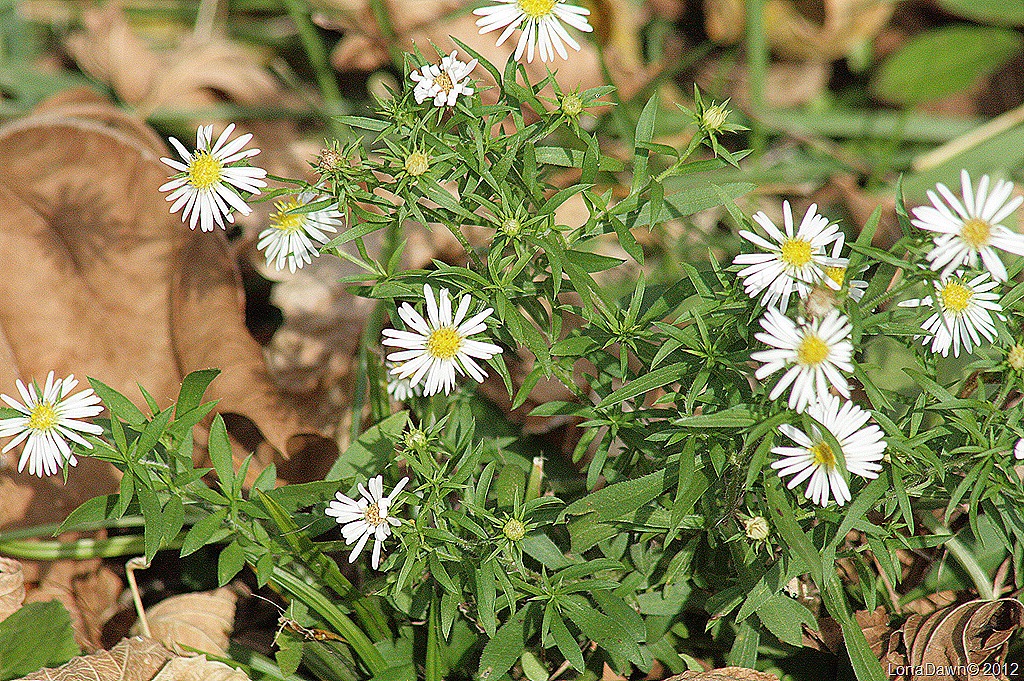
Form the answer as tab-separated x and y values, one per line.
314	48
757	66
353	635
964	557
432	667
387	30
80	549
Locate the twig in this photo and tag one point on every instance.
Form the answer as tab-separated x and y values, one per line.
133	564
983	133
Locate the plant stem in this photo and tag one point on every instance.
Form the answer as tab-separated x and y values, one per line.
432	666
353	635
314	48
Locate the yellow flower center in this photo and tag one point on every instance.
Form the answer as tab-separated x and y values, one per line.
204	171
43	417
811	351
537	9
796	252
976	233
956	297
444	343
283	221
372	515
1015	357
417	163
822	455
836	274
514	530
444	81
572	105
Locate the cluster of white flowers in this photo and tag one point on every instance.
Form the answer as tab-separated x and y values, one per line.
965	303
444	82
815	353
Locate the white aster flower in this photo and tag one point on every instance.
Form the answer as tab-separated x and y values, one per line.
837	271
543	25
814	352
293	238
401	389
440	345
443	82
50	420
964	315
793	262
366	517
862	448
1018	449
971	228
206	182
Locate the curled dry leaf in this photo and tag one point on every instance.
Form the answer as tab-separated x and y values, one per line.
12	587
820	30
132	295
197	669
971	633
197	621
725	674
132	659
88	590
962	635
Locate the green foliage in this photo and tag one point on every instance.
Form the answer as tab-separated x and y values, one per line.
943	61
36	636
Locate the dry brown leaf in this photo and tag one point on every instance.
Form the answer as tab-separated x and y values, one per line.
12	587
88	590
132	295
971	633
725	674
200	621
197	669
819	30
134	659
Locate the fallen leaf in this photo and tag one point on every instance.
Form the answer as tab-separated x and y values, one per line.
198	621
819	30
12	587
725	674
971	633
132	295
89	591
134	659
197	669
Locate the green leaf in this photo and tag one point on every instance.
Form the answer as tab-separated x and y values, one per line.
95	510
230	563
152	433
154	528
371	452
785	617
608	633
622	498
649	381
999	12
943	61
118	404
220	454
193	387
36	636
505	647
202	531
566	642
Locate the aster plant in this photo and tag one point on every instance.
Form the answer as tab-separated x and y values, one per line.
809	402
